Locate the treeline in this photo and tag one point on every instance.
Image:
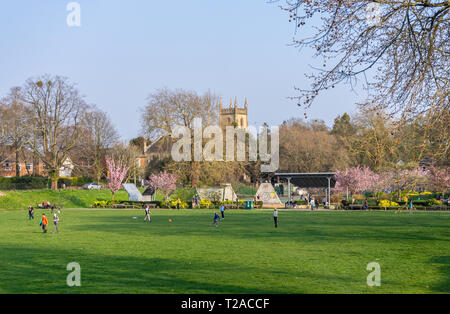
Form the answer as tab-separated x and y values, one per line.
46	121
369	138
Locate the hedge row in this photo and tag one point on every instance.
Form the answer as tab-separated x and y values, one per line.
23	183
38	183
171	204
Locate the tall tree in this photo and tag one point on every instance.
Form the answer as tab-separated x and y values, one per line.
167	109
101	135
309	147
57	120
398	49
14	119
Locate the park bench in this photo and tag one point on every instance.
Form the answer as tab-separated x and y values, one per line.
355	206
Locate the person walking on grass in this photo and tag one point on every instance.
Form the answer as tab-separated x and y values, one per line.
147	214
366	205
30	213
55	222
44	223
222	211
411	206
275	217
216	219
178	203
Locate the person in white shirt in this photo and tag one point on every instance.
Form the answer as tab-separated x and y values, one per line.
147	214
275	217
55	222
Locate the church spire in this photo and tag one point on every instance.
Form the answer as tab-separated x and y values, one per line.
235	103
246	105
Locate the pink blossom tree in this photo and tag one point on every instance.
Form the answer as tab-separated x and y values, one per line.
163	181
439	179
402	179
117	170
355	180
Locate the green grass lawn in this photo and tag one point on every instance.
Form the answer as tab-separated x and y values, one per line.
310	252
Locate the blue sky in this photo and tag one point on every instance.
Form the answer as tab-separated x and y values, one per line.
125	50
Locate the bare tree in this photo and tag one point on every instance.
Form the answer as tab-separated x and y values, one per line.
404	44
101	135
14	119
309	147
129	154
57	120
167	109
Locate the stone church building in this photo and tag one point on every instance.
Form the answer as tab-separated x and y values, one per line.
233	116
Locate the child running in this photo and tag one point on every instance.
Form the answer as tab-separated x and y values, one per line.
44	223
147	214
216	219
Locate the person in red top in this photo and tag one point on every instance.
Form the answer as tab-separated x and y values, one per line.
44	222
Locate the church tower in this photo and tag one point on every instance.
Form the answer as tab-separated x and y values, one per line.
233	116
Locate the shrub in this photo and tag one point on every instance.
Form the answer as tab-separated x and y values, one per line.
99	204
434	201
258	204
205	203
387	203
173	204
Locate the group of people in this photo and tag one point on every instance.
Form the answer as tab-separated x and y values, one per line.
44	221
47	205
217	217
222	211
311	200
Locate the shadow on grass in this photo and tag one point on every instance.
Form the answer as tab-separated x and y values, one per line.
32	270
444	285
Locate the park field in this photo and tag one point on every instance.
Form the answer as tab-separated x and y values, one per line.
310	252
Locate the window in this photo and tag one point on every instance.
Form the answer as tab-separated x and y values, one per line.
29	167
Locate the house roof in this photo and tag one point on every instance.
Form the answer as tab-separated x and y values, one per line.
310	180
